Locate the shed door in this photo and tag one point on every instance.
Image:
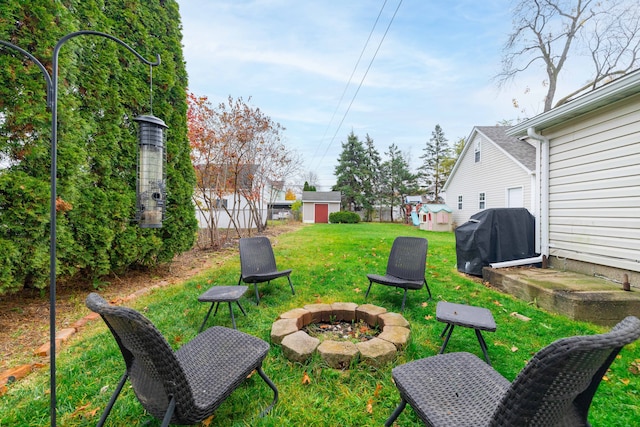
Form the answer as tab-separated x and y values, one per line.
322	213
514	198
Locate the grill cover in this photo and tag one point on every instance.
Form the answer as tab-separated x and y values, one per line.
494	235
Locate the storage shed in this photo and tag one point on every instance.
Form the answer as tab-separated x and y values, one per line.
435	217
317	205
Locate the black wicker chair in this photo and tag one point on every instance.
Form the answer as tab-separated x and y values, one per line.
188	385
405	267
258	264
554	389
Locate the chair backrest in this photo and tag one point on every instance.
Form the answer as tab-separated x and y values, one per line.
557	385
154	371
256	256
408	258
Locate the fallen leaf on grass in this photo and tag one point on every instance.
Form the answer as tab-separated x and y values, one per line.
457	288
370	406
357	290
514	349
207	421
81	411
634	368
425	304
497	303
520	316
306	379
378	388
428	317
624	381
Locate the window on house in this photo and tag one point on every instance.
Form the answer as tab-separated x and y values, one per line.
477	151
481	201
459	203
220	203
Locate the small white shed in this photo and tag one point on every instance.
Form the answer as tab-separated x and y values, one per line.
317	205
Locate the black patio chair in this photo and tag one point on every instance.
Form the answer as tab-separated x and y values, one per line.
188	385
554	389
405	267
258	264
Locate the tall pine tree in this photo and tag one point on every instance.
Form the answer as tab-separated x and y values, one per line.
434	171
350	174
398	181
371	178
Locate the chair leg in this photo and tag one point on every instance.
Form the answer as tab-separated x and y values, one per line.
240	279
293	292
404	298
233	319
273	387
483	346
241	309
367	294
428	290
167	415
446	340
257	295
114	396
206	317
444	331
395	413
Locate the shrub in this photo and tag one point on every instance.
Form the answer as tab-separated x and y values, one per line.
344	217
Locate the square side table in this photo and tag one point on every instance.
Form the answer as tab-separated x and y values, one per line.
467	316
218	294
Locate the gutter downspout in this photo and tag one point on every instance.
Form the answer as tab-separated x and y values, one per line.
542	178
543	191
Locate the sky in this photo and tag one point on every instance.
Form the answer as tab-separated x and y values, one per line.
390	69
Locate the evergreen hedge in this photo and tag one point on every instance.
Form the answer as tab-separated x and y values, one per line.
102	88
344	217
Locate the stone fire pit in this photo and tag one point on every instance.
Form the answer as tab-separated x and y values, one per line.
298	346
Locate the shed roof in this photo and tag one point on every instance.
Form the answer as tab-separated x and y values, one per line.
321	196
435	208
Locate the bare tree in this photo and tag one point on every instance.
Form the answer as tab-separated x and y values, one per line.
550	31
238	153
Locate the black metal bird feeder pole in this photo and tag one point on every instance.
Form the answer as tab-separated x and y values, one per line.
52	104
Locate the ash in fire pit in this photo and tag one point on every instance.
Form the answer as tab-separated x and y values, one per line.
342	333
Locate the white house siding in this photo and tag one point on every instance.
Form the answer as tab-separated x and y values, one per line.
493	175
241	214
594	187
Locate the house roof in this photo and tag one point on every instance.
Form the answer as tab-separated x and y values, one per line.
616	90
321	196
520	152
415	199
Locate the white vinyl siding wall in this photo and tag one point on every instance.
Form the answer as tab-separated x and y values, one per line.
594	187
495	172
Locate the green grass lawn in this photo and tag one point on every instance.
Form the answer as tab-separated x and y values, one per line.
329	263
